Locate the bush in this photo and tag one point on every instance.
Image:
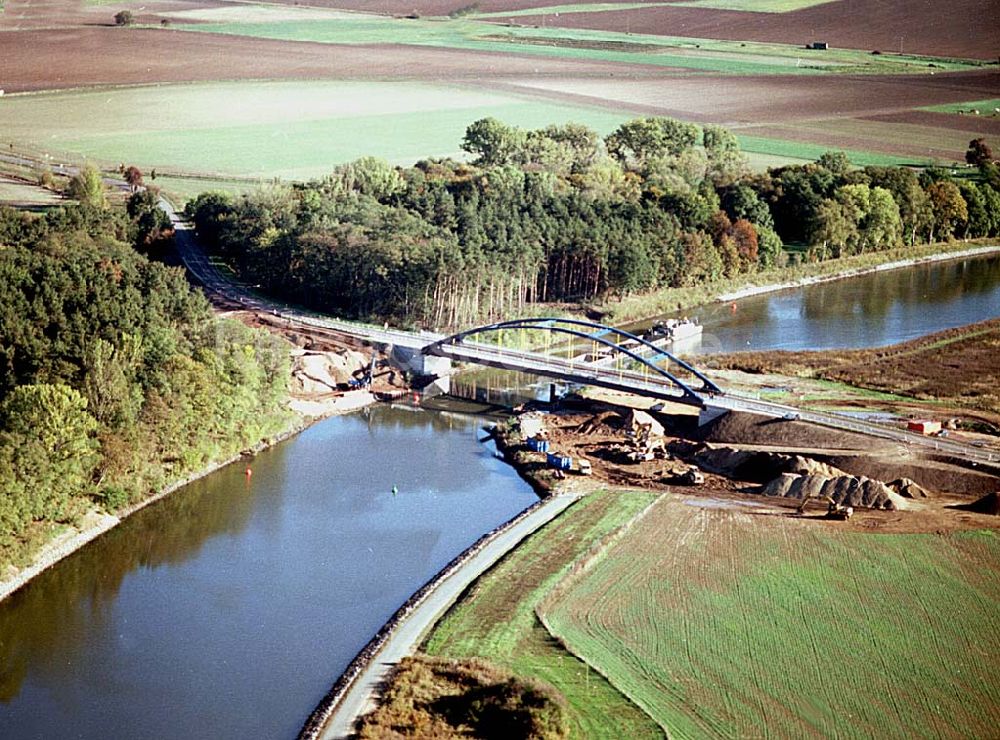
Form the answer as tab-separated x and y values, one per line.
124	18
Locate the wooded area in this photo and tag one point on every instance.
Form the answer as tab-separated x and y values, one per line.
115	378
558	214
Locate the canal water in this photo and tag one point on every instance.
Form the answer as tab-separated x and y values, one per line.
229	608
872	310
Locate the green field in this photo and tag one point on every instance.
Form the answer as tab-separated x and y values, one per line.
25	195
721	623
574	8
782	149
986	107
295	130
496	620
704	55
756	6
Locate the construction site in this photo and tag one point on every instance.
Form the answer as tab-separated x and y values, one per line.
789	466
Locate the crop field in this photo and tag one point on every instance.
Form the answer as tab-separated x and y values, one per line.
701	54
897	143
496	620
25	195
755	6
293	130
723	623
987	106
954	29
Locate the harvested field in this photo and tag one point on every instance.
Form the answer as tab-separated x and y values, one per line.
495	620
89	56
736	101
955	29
721	622
20	194
911	140
971	125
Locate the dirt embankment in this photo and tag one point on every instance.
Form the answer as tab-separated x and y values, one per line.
958	366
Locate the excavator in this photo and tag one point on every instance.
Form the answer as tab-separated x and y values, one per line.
833	511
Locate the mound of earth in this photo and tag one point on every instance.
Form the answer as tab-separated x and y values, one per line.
322	372
758	466
845	490
988	504
908	488
940	475
755	429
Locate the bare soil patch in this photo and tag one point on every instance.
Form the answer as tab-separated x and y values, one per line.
80	57
961	28
960	366
986	125
745	100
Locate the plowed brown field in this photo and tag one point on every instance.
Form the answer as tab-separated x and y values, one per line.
960	28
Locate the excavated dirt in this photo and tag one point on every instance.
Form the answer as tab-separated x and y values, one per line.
988	504
785	461
933	475
752	429
843	489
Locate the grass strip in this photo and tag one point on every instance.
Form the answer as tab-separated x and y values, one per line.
496	619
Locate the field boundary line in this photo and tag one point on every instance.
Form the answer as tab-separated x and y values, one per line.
577	569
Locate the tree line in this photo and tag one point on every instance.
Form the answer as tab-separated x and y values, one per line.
559	214
114	375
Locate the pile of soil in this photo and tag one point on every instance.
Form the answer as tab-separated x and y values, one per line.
759	467
908	488
988	504
845	490
939	475
755	429
322	372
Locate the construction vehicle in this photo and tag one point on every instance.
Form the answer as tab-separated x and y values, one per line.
833	510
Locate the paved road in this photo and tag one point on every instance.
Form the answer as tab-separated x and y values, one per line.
360	697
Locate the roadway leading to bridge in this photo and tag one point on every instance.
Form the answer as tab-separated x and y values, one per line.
629	381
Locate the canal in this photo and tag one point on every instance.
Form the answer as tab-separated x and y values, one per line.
871	310
229	608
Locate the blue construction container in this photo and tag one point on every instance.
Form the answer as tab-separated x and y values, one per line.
559	462
538	445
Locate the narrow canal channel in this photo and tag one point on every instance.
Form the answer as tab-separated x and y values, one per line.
229	608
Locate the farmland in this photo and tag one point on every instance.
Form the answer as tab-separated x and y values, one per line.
701	54
295	130
720	622
910	26
496	620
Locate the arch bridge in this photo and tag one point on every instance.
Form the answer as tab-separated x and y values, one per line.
645	377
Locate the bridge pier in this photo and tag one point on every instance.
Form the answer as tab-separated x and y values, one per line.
413	361
709	413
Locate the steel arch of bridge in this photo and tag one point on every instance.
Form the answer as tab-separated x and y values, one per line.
597	333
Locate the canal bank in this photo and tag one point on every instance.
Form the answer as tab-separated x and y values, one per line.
95	522
641	309
357	689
